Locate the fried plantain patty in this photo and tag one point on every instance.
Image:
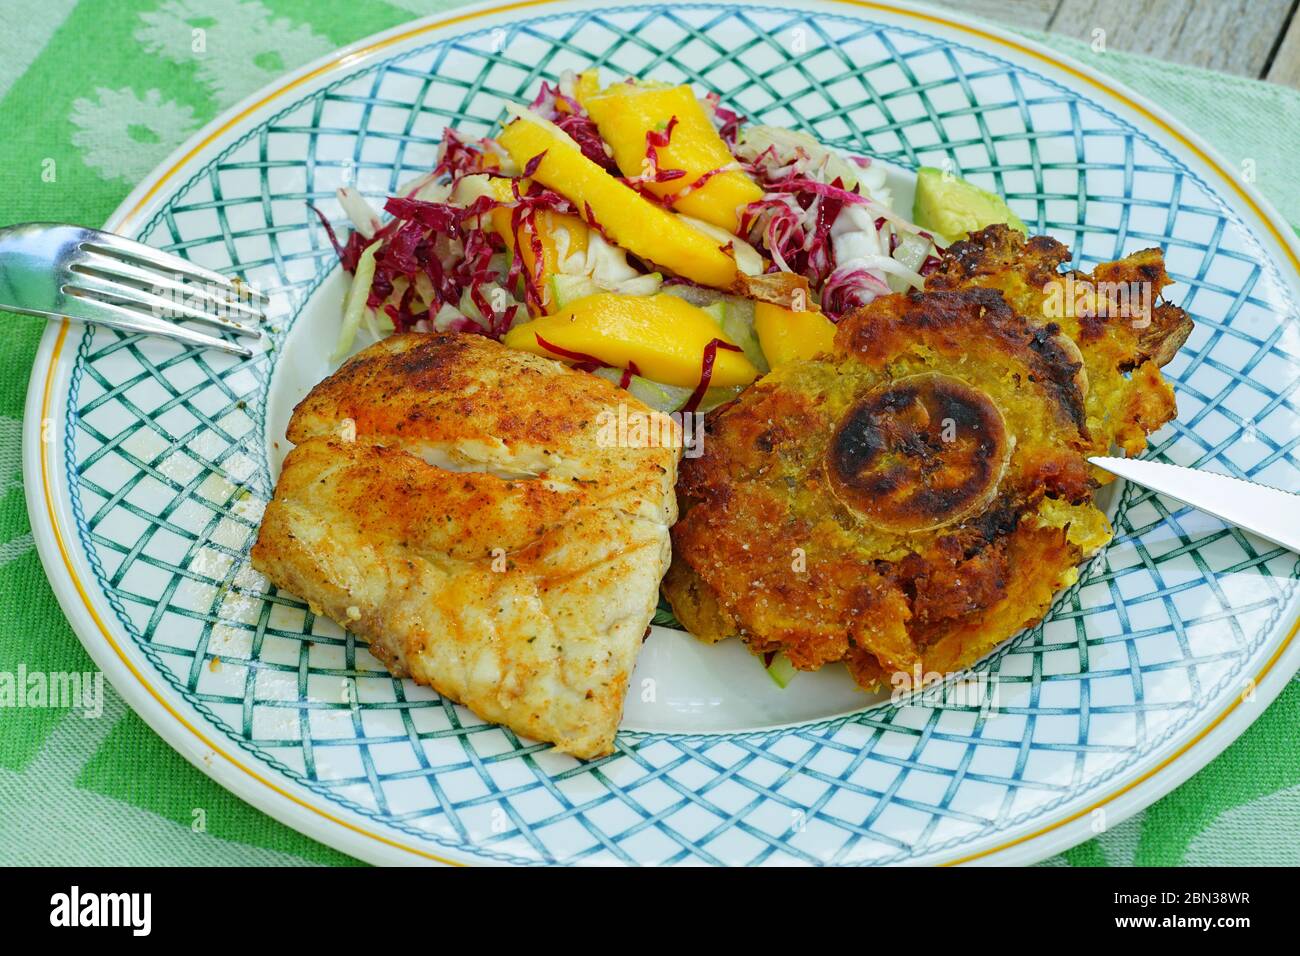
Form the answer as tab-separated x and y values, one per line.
1115	315
921	493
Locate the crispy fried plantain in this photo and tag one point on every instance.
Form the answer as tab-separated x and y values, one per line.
920	494
1115	315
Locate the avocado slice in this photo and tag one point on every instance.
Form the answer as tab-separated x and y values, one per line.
951	208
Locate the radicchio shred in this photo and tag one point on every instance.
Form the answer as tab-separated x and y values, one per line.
727	122
626	378
584	361
796	243
656	140
568	114
706	373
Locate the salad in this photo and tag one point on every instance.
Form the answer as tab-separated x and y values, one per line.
638	231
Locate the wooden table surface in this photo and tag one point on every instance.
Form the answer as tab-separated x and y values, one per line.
1255	38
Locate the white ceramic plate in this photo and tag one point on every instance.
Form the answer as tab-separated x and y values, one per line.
147	465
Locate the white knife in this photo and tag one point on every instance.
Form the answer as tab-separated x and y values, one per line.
1268	512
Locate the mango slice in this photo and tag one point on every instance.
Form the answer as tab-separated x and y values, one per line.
587	85
788	336
625	113
628	218
662	335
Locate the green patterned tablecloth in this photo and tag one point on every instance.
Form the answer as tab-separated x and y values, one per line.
93	95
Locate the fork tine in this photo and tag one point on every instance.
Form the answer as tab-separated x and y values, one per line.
114	246
112	268
125	319
83	284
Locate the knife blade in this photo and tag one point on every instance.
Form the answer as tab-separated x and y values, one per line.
1271	513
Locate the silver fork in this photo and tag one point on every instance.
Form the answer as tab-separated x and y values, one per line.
55	270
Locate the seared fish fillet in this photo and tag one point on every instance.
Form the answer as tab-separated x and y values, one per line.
457	503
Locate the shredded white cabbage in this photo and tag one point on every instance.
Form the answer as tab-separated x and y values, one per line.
364	217
604	264
859	244
354	307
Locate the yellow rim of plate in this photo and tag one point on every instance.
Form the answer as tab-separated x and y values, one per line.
349	58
